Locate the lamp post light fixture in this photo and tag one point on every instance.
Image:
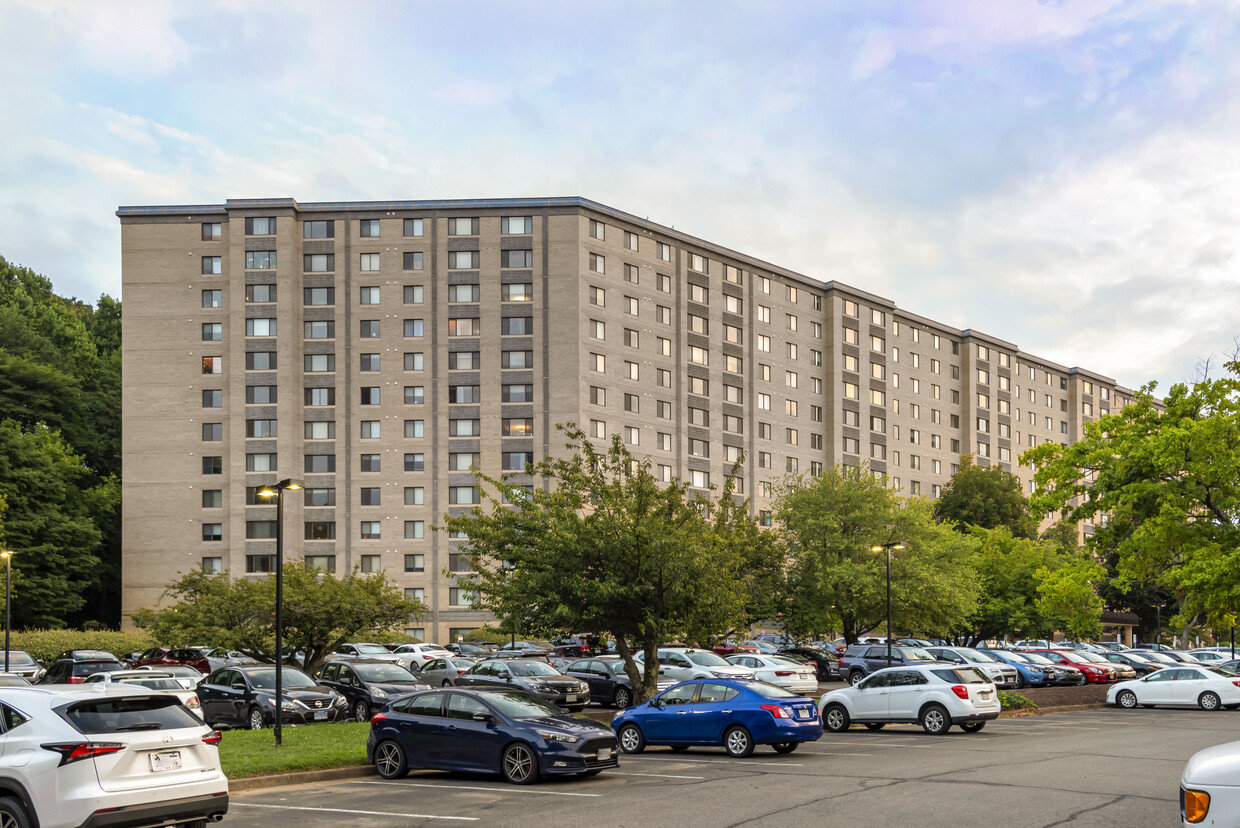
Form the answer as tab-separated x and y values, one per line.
887	547
8	595
277	491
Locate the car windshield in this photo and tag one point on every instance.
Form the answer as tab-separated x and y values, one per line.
13	681
1215	671
1161	658
1034	658
961	675
615	667
179	670
372	649
976	657
149	683
1017	657
19	658
532	668
770	690
289	679
383	672
518	705
916	654
457	663
778	659
1094	657
702	658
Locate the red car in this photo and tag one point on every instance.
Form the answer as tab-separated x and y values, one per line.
1094	673
729	647
157	656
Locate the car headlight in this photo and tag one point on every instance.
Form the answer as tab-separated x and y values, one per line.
556	737
718	674
379	693
582	687
543	688
340	701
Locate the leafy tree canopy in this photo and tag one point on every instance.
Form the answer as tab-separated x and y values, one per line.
988	497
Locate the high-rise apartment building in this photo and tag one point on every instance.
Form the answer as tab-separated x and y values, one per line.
377	351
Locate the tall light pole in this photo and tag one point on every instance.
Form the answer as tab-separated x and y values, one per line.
887	547
277	491
8	595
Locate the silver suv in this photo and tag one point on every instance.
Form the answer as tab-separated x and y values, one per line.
106	754
1002	675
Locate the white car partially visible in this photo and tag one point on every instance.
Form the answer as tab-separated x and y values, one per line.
779	670
413	656
1210	786
151	680
1195	686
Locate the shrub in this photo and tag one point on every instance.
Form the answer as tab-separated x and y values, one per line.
1015	701
494	634
45	645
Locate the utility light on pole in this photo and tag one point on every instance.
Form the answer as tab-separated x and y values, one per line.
8	595
887	547
277	491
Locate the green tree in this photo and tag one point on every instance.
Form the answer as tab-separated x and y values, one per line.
321	611
829	524
1169	474
1068	597
1010	571
600	546
988	497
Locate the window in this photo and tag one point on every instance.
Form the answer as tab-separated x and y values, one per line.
318	229
598	296
463	495
213	298
463	260
213	365
370	296
415	496
517	426
632	370
370	395
852	445
464	361
631	273
464	428
664	378
260	259
415	529
699	479
370	362
325	430
598	429
213	531
213	398
699	416
369	328
877	397
415	428
851	391
415	563
318	296
517	292
598	263
319	497
370	429
260	226
698	356
212	332
664	251
518	393
260	394
699	263
318	363
413	227
665	283
260	327
412	328
517	359
415	461
630	338
261	461
463	327
212	432
516	258
320	463
598	230
517	326
212	465
320	396
630	240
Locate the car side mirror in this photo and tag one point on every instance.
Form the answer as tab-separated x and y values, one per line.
656	702
483	717
238	685
508	677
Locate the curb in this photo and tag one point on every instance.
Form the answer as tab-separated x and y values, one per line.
281	780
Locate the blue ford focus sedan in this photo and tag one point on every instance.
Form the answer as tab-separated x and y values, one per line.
737	714
487	730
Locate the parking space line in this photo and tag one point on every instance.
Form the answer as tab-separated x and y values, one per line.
717	761
654	775
235	804
449	787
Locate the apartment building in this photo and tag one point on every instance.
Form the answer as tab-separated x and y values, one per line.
377	351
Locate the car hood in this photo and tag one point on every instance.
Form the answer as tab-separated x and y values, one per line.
1218	765
395	688
306	694
571	723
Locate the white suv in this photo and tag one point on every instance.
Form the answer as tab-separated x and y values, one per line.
684	663
105	754
936	696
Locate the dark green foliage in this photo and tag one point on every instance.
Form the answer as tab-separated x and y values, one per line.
986	497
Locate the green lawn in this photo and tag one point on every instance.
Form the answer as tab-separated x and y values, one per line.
312	747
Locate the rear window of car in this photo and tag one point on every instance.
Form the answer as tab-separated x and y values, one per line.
88	668
770	690
961	675
129	714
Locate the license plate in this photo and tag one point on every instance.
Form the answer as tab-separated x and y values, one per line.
572	697
320	715
802	713
604	754
985	694
166	761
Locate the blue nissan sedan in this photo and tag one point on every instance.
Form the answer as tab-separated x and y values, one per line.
487	730
737	714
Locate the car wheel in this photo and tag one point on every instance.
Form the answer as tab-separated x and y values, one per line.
13	814
737	742
972	727
623	698
785	747
255	720
875	725
835	718
1209	701
390	760
631	739
1021	684
1126	699
934	720
679	748
855	678
361	711
520	765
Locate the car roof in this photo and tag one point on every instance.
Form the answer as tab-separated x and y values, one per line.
75	692
87	655
355	661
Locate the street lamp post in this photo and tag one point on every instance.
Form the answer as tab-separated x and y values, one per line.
887	547
8	595
277	491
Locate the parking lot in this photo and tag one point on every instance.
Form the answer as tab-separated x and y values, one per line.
1105	768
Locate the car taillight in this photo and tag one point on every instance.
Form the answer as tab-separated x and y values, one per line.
213	738
462	672
74	751
961	691
1235	682
784	673
776	710
1196	804
378	718
75	680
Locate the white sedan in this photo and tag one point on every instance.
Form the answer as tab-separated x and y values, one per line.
151	680
1209	794
1198	686
779	670
413	656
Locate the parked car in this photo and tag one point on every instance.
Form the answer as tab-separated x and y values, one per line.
1123	670
1028	674
23	664
14	680
188	677
367	684
163	656
1094	673
468	650
442	672
535	677
1113	646
73	666
609	683
826	663
684	663
571	647
765	647
111	755
368	652
413	656
151	680
1142	666
775	639
1210	786
1200	686
487	730
733	713
781	671
1181	656
936	696
862	659
729	647
220	657
1065	674
1000	673
245	697
524	649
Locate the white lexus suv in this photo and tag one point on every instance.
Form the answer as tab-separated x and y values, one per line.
103	754
936	696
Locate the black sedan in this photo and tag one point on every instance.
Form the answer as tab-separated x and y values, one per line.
1142	665
487	730
246	697
536	677
368	685
827	664
609	684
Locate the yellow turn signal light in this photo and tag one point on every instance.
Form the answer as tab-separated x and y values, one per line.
1196	805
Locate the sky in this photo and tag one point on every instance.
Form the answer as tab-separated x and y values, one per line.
1061	174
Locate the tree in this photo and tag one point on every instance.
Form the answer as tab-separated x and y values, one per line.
829	524
598	545
988	497
1170	474
1068	596
321	611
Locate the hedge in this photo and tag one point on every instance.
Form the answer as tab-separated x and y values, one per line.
45	645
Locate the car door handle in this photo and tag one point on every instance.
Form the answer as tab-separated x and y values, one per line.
726	712
682	713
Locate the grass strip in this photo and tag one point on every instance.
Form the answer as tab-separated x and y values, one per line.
310	747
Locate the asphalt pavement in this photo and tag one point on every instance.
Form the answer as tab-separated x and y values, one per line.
1096	768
